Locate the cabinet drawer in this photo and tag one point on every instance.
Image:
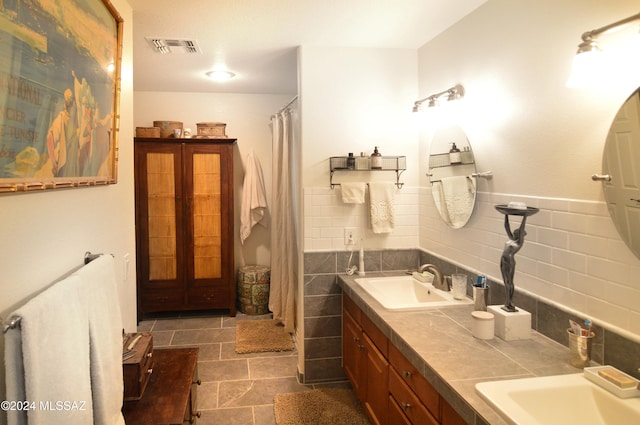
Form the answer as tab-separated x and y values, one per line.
352	308
375	334
163	300
137	370
396	415
408	401
209	297
412	377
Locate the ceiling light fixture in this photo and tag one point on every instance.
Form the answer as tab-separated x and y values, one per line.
454	93
587	63
220	75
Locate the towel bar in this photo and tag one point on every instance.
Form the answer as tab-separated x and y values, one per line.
398	184
485	175
14	321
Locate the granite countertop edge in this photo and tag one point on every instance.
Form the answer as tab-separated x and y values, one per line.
439	343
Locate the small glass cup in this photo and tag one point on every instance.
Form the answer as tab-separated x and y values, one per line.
459	285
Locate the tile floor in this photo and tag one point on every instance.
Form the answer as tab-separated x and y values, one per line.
237	389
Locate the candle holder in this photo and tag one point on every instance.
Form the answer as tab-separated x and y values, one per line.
512	246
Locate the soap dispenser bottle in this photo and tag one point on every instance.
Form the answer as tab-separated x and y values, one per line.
362	162
455	156
376	160
351	161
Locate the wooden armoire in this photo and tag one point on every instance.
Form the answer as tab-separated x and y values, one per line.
184	224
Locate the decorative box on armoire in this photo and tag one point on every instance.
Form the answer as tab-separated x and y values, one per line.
184	224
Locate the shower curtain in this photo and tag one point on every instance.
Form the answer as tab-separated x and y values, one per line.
284	247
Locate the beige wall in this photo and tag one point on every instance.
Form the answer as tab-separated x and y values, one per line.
45	234
543	142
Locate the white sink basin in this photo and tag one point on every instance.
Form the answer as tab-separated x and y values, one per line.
558	400
406	293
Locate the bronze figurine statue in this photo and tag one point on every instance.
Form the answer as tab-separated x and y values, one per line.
511	247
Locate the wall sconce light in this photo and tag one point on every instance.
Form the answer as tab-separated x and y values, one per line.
587	64
454	93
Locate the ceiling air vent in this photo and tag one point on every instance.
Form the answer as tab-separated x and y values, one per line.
173	45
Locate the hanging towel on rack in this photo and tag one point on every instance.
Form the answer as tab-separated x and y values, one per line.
54	337
459	195
254	200
381	205
439	201
353	193
105	339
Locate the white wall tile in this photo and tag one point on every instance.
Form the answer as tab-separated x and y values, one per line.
565	259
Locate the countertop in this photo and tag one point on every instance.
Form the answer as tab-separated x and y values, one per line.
439	343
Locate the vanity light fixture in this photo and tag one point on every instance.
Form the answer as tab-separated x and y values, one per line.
454	93
220	75
587	64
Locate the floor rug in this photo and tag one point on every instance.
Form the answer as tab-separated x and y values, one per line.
319	407
261	336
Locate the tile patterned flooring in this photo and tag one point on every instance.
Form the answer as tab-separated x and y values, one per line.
237	389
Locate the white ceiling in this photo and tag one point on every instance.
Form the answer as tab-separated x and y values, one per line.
257	39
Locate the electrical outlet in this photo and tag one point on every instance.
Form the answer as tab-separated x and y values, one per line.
351	235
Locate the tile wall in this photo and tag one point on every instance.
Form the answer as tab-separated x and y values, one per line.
573	263
323	319
323	305
326	216
572	255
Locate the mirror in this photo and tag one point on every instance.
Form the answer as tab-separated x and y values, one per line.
621	161
452	172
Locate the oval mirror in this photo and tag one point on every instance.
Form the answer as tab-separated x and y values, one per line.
621	161
452	171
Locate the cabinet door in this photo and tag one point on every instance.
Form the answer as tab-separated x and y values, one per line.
209	224
353	354
450	416
159	214
377	385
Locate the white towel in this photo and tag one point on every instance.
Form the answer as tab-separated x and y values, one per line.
439	201
382	208
54	333
105	339
353	193
254	200
459	195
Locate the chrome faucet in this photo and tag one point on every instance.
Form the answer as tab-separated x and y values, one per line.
439	280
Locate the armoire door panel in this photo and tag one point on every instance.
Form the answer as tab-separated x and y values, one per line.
158	214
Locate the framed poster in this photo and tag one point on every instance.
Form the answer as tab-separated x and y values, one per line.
59	93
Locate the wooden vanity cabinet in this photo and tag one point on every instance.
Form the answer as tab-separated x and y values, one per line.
365	361
184	224
391	389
